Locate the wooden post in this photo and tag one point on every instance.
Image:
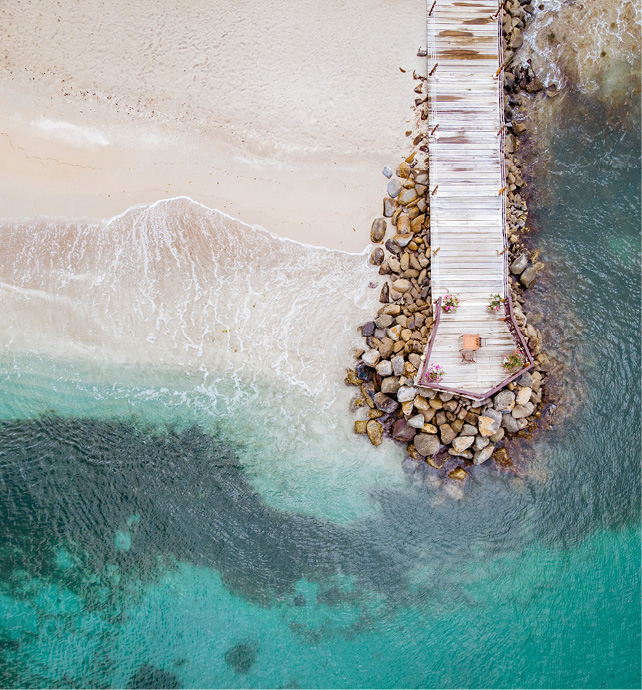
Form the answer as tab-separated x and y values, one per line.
432	8
433	70
434	190
434	129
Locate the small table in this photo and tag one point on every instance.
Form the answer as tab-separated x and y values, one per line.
471	342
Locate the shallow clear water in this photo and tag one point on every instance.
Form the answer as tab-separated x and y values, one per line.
157	531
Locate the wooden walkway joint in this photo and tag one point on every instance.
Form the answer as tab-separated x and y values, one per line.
468	199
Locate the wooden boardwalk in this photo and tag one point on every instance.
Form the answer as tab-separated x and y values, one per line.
467	206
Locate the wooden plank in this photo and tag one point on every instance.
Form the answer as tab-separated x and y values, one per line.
466	165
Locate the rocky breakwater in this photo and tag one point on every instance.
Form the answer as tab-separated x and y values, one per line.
449	433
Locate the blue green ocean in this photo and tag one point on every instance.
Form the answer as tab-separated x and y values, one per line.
167	524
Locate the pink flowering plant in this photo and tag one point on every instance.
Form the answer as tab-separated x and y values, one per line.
514	360
449	303
434	374
494	303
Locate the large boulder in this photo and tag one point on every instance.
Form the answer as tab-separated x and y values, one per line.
529	275
363	371
504	401
524	395
407	196
375	432
406	393
394	188
389	207
521	411
482	455
384	403
426	444
384	368
447	433
462	443
370	357
390	385
510	424
398	365
519	264
377	256
384	321
401	285
417	422
378	229
489	422
402	431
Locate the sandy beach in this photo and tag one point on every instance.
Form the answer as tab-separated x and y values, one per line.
282	116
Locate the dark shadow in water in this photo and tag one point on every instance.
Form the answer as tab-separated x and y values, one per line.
241	657
149	676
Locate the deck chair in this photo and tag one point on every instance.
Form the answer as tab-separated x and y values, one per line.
468	356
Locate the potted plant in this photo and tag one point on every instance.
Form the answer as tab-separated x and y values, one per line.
434	374
495	302
515	360
449	303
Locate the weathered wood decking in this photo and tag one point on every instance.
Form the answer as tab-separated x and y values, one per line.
466	169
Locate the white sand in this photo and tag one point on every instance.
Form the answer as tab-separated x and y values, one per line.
281	114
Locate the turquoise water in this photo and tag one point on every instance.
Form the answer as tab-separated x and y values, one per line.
145	543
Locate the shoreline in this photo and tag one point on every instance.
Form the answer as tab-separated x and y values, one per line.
296	148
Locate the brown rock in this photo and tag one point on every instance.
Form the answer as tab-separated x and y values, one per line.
375	432
384	403
390	385
377	256
402	431
360	426
426	444
500	456
459	474
378	229
403	225
404	170
401	285
407	196
447	433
